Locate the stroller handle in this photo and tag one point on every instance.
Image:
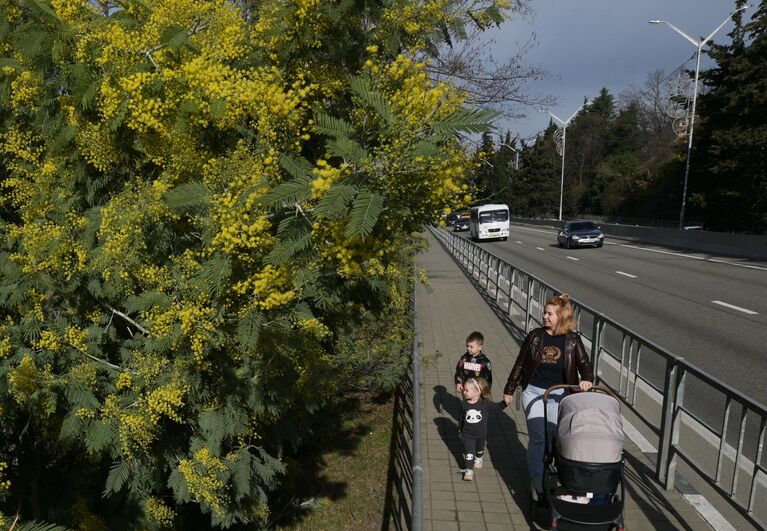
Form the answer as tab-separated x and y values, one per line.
595	388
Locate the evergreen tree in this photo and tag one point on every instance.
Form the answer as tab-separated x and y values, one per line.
536	184
728	181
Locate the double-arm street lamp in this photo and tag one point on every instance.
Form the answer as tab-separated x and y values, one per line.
564	124
699	44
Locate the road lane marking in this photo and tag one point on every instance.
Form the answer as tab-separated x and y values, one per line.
626	274
519	241
540	248
572	258
725	262
708	512
738	308
640	440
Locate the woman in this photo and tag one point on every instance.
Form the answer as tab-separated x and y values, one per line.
550	355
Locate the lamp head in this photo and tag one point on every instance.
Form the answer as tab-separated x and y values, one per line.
654	21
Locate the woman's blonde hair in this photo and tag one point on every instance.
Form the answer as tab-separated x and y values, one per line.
566	321
482	385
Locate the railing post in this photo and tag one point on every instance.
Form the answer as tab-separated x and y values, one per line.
666	463
529	303
596	342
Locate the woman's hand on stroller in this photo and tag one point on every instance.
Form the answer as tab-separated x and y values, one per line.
585	385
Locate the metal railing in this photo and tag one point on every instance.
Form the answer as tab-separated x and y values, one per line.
689	412
403	507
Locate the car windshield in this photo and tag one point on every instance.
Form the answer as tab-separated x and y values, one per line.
584	225
490	216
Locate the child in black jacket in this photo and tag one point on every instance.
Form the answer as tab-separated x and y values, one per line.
476	406
473	364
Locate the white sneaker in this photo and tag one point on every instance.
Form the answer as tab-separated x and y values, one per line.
477	462
468	475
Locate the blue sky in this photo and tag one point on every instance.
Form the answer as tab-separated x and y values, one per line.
589	44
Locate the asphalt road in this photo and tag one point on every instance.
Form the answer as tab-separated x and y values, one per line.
666	296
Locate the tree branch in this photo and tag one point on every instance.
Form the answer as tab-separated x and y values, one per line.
131	321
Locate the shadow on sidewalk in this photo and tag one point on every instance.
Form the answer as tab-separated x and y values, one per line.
507	454
649	496
447	426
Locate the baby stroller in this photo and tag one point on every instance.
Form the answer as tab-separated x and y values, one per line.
584	468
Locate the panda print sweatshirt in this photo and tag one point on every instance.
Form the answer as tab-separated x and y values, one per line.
474	419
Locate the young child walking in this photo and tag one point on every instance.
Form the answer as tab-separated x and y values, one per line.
477	406
473	364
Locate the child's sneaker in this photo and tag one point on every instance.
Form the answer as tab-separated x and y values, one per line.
468	475
477	462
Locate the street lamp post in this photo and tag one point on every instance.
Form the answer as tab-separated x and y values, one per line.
699	44
516	155
564	125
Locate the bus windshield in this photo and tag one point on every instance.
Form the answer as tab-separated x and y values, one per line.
490	216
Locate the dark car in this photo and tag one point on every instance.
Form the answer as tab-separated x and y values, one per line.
461	222
579	234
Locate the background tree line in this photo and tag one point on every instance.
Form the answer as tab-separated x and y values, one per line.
624	159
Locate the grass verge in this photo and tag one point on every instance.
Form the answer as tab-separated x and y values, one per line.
349	461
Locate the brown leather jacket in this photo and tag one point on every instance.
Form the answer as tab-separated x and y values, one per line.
576	361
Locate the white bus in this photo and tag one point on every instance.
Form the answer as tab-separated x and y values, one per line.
489	221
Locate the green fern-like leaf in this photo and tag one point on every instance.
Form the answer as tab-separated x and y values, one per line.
119	474
286	249
348	149
71	428
147	300
40	526
13	63
213	426
174	36
100	436
213	274
79	396
242	473
366	209
178	485
425	148
289	192
187	195
459	29
332	127
334	203
467	119
373	99
297	166
249	329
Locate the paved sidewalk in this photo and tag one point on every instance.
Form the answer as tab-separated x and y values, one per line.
447	311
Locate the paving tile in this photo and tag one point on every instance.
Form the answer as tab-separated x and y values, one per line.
471	517
498	518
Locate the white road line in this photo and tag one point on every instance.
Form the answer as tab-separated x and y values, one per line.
540	248
626	274
698	501
572	258
639	248
640	440
519	241
733	307
708	512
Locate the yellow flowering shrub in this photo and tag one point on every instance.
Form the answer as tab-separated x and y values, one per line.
208	219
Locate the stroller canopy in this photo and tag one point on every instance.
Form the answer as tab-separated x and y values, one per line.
590	428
